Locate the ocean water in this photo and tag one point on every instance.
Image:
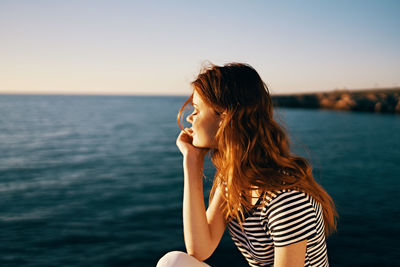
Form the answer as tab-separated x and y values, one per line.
98	181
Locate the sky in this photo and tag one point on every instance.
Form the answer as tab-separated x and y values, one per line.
158	47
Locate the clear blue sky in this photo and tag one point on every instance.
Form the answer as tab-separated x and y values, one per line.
157	47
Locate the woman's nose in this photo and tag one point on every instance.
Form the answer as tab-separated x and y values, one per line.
189	118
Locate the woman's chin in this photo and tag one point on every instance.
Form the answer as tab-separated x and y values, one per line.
200	145
196	144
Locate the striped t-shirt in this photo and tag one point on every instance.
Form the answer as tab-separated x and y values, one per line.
286	217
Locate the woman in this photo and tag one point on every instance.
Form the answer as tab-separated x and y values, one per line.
276	213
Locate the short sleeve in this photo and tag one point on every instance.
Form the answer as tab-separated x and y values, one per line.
291	218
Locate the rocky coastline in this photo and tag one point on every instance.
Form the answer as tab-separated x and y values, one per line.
368	100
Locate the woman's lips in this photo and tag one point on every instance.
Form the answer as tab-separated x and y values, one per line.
190	130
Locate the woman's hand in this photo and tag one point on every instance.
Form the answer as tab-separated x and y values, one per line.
184	143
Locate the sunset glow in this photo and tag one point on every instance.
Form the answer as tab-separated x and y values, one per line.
157	47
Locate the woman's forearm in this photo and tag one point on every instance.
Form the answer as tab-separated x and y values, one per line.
195	225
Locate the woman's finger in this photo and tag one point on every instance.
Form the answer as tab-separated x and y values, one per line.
184	139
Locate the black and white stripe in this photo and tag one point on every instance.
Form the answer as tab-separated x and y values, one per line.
286	217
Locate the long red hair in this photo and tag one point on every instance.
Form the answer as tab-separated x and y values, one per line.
252	148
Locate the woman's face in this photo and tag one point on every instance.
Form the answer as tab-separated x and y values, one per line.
205	123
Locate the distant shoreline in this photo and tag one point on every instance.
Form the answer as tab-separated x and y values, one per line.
369	100
382	100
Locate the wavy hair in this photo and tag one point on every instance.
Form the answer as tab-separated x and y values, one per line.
252	149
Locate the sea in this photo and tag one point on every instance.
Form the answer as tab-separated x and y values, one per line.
98	181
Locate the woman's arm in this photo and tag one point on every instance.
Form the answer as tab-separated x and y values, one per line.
290	256
202	230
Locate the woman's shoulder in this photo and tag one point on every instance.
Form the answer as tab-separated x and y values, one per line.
275	199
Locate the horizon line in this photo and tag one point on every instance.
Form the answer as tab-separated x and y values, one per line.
177	95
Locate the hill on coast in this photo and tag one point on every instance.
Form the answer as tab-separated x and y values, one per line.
370	100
